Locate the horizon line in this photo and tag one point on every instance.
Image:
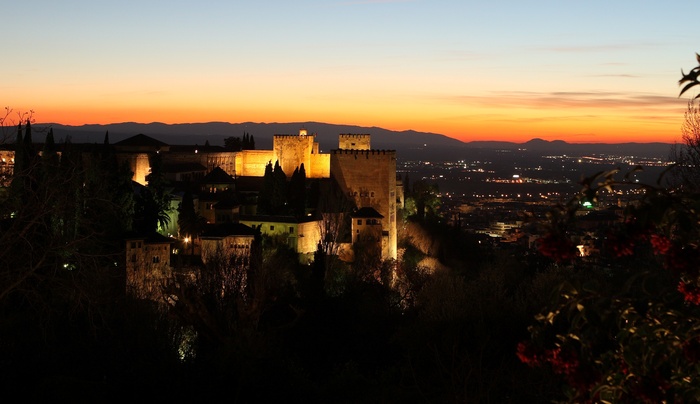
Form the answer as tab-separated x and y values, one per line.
335	124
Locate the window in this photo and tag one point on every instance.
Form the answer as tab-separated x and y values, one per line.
156	259
291	230
133	244
272	227
359	222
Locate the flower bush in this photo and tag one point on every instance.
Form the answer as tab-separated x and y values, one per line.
630	332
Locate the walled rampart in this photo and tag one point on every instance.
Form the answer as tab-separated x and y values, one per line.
354	141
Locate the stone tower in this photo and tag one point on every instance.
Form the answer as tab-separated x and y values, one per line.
368	178
354	142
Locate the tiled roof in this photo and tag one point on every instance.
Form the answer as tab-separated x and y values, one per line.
367	212
141	140
183	167
218	176
152	238
228	229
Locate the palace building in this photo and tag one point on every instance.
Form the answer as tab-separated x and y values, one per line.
367	177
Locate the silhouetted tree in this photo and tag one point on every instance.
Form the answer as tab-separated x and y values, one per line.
265	195
278	202
297	191
426	199
188	221
687	155
233	143
238	144
17	184
153	202
691	78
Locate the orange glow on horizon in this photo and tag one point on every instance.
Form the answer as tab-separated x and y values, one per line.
480	123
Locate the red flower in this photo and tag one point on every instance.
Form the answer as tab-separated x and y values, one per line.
558	247
529	354
661	244
624	368
621	244
691	293
563	362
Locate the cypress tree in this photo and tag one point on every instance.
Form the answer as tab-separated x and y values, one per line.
19	151
29	152
279	190
297	191
265	195
17	184
49	162
189	223
49	152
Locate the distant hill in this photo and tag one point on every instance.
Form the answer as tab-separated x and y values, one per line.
654	149
408	144
216	132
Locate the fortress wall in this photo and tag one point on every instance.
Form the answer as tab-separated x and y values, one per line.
210	160
354	141
292	151
225	160
309	236
139	165
368	177
251	163
320	166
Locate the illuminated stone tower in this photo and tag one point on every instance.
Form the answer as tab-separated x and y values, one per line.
354	142
293	150
368	178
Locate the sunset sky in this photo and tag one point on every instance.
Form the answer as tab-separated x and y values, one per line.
584	71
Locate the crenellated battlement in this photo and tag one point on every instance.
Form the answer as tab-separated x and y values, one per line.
354	141
372	152
353	135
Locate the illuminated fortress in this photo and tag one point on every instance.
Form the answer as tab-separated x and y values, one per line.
367	177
